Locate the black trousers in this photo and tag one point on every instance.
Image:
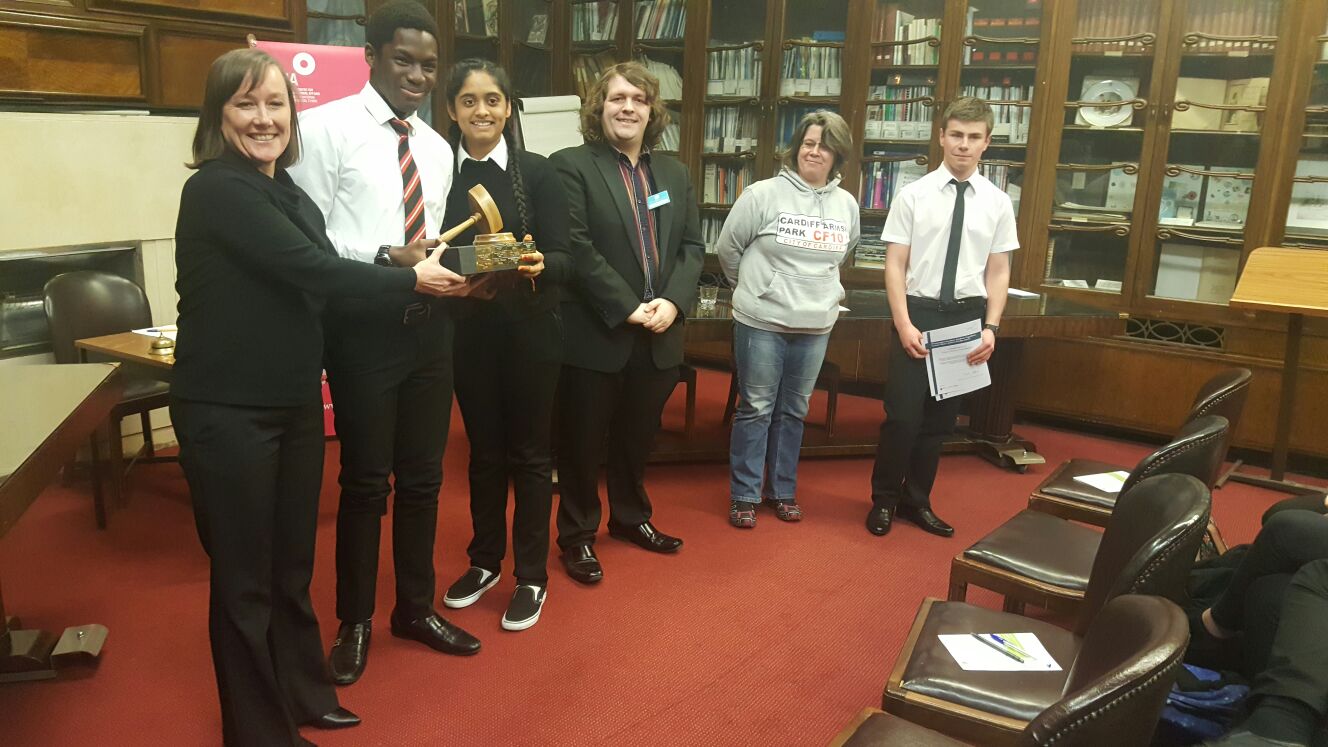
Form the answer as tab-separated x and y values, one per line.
505	391
908	451
1297	664
392	396
625	407
254	476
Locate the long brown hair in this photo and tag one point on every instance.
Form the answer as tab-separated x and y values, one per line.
228	73
592	111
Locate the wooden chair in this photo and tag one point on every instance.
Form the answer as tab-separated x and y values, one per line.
1160	528
1113	694
1037	558
88	303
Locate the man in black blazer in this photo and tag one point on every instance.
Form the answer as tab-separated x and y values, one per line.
636	239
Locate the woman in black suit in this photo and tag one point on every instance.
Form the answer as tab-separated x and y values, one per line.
253	266
508	350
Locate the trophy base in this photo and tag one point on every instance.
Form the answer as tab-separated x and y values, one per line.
491	252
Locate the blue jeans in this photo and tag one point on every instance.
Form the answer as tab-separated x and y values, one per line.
776	374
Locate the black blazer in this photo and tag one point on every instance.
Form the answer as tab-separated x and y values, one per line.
253	265
530	315
607	280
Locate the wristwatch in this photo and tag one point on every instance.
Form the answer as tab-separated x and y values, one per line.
995	328
382	258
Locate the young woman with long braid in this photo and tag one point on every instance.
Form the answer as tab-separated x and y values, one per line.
508	349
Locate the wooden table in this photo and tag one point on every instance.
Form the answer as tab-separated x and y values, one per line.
128	347
50	410
1292	282
865	327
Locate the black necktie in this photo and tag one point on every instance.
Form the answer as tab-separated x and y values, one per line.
952	248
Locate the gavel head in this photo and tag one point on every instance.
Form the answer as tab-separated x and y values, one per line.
481	204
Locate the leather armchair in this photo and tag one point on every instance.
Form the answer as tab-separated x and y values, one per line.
88	303
1060	494
1113	693
1148	549
1041	559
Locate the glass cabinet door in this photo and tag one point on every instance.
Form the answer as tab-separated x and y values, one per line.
1307	216
532	66
594	27
900	130
476	29
1102	143
811	71
1226	63
658	30
732	120
1000	66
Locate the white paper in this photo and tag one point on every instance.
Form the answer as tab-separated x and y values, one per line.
166	329
1107	482
973	655
1017	293
948	371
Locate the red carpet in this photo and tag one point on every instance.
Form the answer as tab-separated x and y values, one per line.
777	635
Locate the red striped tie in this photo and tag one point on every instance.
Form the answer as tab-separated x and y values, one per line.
412	193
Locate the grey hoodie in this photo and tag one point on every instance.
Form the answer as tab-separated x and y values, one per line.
782	244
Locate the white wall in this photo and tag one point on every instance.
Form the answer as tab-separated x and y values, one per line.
69	179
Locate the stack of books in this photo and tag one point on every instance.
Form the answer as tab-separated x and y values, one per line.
811	71
722	183
893	24
882	180
660	19
733	72
730	129
597	21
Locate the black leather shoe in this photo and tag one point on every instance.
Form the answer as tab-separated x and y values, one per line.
350	652
436	633
879	519
582	565
338	719
924	518
646	536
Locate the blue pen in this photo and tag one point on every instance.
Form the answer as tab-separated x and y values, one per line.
1013	646
999	647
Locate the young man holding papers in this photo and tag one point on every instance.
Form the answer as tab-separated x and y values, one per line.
947	236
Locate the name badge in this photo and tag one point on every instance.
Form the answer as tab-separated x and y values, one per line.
658	199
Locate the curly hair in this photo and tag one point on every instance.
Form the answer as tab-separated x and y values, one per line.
592	111
456	78
382	26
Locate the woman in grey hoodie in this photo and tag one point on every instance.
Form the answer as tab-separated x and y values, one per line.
782	245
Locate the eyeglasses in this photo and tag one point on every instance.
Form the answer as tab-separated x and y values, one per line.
813	145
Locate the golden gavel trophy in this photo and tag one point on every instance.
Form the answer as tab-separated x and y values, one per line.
492	250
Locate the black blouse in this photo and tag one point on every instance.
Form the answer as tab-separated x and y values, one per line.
253	266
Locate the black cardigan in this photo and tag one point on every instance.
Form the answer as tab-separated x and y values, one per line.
253	266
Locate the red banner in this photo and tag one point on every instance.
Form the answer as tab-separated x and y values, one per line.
319	73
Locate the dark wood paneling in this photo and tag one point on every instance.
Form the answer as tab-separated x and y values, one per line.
267	10
1149	388
70	58
185	59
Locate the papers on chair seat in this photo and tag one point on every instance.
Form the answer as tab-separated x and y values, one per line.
1107	482
166	329
999	652
948	372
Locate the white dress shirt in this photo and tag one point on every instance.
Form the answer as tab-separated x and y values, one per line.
348	165
920	219
498	155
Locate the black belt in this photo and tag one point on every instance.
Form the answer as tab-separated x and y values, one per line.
935	304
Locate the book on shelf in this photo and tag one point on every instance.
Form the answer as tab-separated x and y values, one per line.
1309	200
731	129
884	120
882	180
1248	92
893	24
733	72
711	225
870	252
1226	200
1102	23
670	80
999	174
660	19
587	68
539	29
1180	198
476	17
811	71
1233	18
594	21
1195	272
997	53
1012	122
1203	91
722	183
